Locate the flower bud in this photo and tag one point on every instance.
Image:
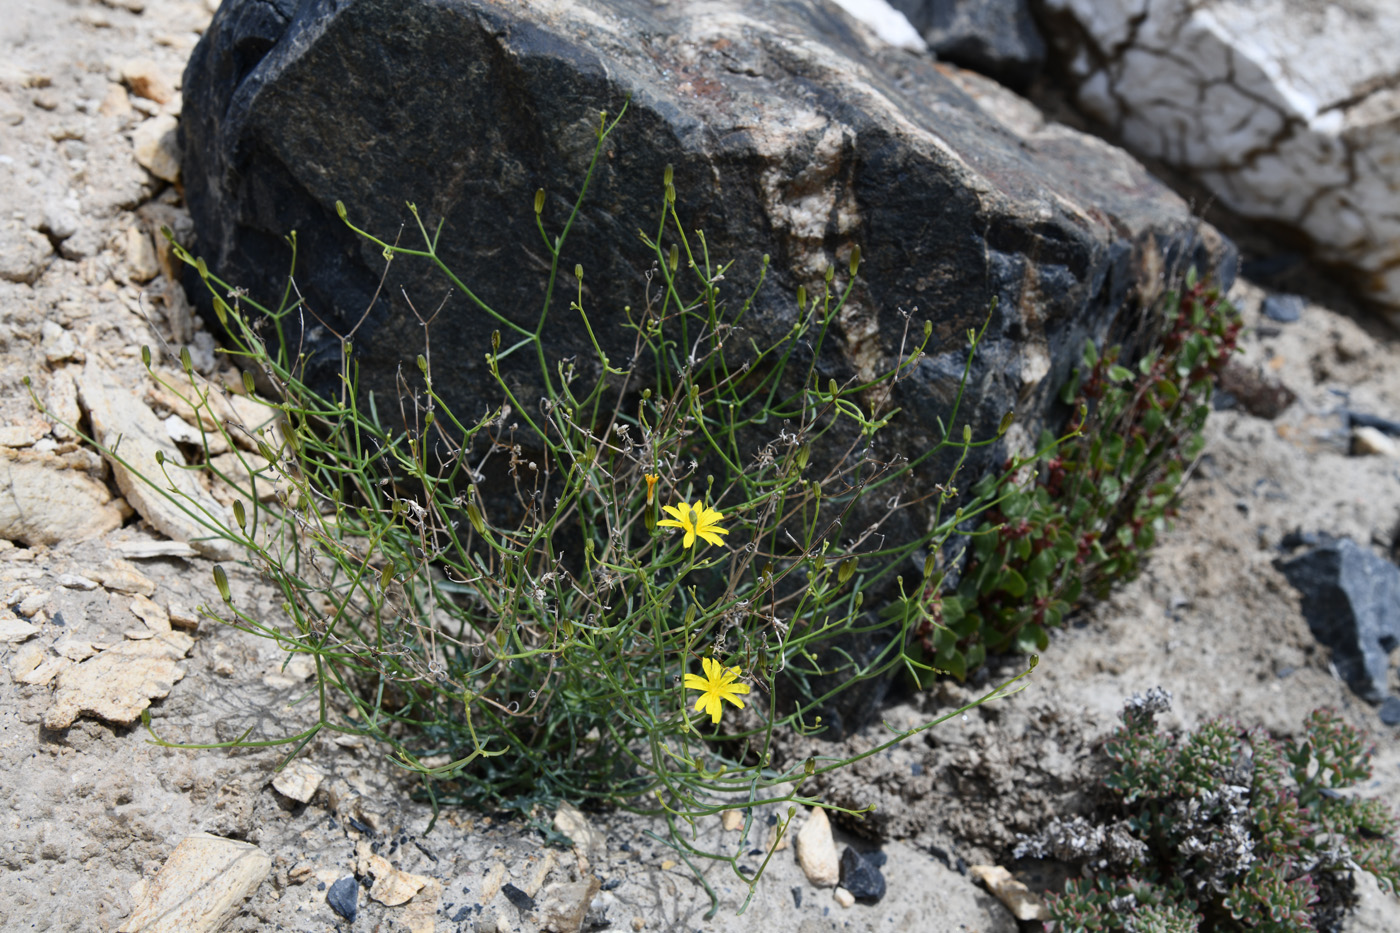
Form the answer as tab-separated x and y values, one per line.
669	175
239	514
539	200
1006	421
146	357
802	298
495	340
185	362
855	260
830	273
221	581
422	364
846	570
340	209
578	271
248	385
674	259
201	267
386	576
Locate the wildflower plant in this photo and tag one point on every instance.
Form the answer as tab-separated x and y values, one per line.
519	652
1096	498
1223	829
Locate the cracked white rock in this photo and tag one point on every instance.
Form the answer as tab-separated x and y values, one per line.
199	887
1018	898
157	147
1288	110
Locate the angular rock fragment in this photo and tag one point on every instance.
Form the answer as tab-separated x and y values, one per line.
1351	600
118	683
42	501
164	497
157	147
1018	898
564	905
203	883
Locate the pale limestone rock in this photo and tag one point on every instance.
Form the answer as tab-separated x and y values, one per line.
816	850
25	659
145	79
202	884
73	581
24	253
122	577
58	344
298	781
141	550
1253	97
141	262
590	844
391	886
45	672
115	103
1016	896
14	630
732	820
61	403
564	905
182	432
44	502
157	147
152	613
843	897
119	419
119	682
1371	442
23	432
420	914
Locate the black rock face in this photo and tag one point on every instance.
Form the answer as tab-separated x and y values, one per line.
998	38
1351	599
790	136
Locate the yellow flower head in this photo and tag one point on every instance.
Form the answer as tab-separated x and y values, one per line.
718	684
651	487
695	520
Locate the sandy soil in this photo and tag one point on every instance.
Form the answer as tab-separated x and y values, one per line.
90	811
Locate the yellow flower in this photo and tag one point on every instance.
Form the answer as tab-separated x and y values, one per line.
718	684
651	487
704	523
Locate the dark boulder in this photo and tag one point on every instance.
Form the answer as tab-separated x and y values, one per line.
792	134
1351	599
997	38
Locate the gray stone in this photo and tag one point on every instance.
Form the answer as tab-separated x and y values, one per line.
1390	711
792	135
344	897
1284	308
861	876
1351	600
998	38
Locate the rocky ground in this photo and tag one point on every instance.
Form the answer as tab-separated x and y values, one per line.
100	613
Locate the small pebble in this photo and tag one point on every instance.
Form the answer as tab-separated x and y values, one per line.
344	897
1390	711
1283	308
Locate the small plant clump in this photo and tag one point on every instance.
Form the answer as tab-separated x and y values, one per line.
1099	497
1223	829
669	525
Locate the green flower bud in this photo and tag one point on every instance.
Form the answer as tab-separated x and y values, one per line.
830	273
221	581
340	209
539	200
669	175
578	271
239	515
146	357
802	298
855	260
846	570
248	385
674	258
422	364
